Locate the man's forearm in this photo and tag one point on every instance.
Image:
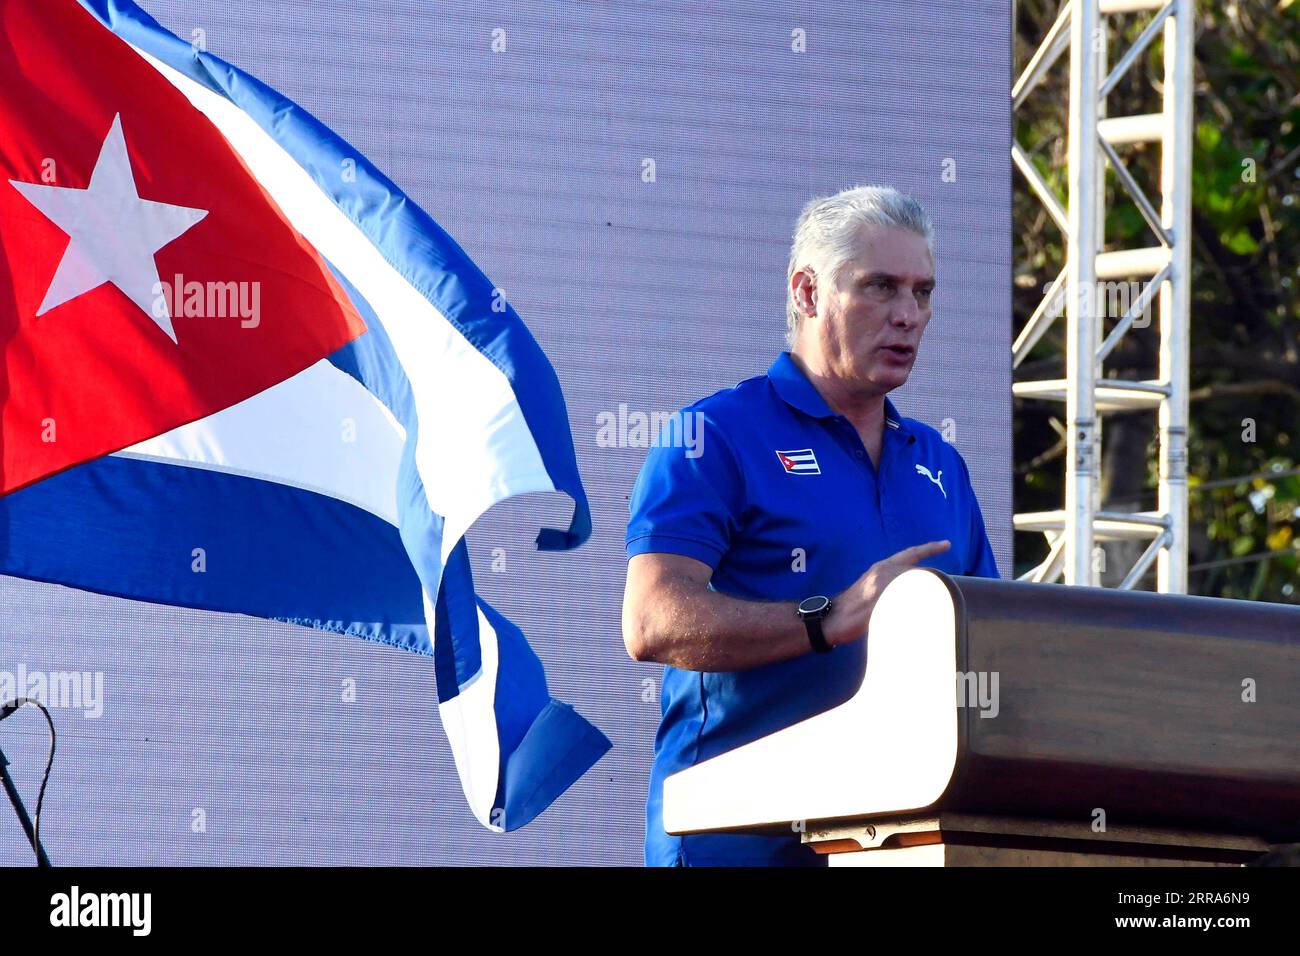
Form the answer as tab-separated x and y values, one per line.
699	630
671	616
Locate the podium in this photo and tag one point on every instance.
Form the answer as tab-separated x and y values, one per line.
1007	723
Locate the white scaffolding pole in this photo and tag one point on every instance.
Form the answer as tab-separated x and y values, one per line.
1175	294
1082	245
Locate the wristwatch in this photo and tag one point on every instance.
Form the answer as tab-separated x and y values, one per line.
811	611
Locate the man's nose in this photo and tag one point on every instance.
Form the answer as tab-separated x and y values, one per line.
905	311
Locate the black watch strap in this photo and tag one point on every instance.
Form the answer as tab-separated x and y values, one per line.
816	637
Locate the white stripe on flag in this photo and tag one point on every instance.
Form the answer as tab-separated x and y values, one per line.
321	431
470	722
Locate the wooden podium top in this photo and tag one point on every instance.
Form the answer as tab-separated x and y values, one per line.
1039	701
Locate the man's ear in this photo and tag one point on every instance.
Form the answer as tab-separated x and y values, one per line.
805	291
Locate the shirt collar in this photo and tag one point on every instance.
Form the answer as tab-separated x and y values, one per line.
796	391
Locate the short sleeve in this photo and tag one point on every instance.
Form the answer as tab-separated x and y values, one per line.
688	498
982	563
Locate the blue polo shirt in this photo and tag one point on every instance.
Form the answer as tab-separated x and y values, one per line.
778	495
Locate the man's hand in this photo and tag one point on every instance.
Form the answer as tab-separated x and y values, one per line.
851	611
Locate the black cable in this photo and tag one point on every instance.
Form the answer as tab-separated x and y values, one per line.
6	711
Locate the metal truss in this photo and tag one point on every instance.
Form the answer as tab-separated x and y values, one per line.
1162	270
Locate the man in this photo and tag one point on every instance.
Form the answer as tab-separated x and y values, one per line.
753	566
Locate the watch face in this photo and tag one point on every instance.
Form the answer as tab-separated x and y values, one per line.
814	605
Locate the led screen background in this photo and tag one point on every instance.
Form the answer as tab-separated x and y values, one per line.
628	174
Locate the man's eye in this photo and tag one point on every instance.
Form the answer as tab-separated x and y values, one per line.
924	293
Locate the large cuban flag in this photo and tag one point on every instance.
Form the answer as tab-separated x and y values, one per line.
242	371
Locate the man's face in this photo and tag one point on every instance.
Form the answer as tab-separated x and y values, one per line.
870	319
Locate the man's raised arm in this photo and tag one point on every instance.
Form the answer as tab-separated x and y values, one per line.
670	615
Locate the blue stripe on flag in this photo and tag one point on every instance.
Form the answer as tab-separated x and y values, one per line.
545	744
128	528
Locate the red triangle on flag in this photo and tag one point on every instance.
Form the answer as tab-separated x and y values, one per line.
106	173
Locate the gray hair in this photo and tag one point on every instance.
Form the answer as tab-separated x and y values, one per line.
827	230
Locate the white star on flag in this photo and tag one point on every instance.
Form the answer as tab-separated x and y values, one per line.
113	232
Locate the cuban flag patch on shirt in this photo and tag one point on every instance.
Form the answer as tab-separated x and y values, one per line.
800	462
